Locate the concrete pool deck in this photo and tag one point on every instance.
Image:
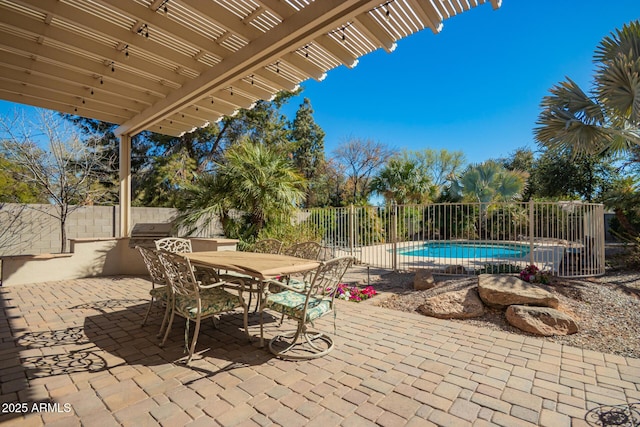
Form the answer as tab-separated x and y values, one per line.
547	256
78	345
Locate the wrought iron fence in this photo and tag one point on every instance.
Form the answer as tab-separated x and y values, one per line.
564	238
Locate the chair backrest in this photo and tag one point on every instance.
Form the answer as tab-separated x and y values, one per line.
153	264
179	274
268	246
307	250
328	276
174	244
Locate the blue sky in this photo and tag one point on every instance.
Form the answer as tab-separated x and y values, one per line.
475	87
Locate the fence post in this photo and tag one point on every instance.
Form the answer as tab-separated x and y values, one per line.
531	232
352	229
394	236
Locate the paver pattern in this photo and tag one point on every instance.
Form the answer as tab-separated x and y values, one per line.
74	353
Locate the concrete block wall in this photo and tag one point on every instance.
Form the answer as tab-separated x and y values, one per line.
30	229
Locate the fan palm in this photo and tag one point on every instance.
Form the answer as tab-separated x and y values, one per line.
623	196
609	119
487	182
255	179
401	182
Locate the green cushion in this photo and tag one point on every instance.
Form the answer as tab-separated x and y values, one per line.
292	304
213	301
297	284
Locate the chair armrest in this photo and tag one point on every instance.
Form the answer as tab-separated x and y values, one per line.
235	283
206	274
211	285
283	286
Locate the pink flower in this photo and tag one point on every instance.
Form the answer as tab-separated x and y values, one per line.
353	293
533	274
369	291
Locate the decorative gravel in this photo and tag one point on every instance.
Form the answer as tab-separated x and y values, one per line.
607	308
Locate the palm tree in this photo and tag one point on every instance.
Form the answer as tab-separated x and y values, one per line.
609	119
402	182
255	179
622	197
487	182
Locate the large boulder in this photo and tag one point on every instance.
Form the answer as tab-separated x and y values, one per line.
541	320
501	291
423	280
461	304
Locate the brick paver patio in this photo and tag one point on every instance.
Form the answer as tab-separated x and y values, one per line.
73	353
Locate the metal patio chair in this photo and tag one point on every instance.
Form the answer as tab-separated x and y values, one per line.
307	250
267	246
304	306
159	288
174	244
196	301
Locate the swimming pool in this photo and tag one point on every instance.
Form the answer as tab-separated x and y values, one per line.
449	249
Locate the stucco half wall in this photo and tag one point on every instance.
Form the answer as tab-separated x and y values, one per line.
89	258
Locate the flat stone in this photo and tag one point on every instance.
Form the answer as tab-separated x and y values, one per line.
462	304
501	291
423	280
541	320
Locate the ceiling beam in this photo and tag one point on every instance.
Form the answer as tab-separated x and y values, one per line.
78	44
55	71
281	9
95	25
71	101
374	31
276	80
337	50
66	87
304	66
162	22
224	18
313	20
56	105
427	13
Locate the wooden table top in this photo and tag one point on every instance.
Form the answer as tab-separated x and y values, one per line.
261	266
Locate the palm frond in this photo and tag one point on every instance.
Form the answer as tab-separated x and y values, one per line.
625	41
618	87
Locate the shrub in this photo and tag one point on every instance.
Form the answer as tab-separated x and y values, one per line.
498	269
532	274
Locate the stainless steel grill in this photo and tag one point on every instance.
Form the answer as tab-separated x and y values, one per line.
145	234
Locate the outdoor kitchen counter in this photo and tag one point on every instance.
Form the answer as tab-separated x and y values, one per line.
92	256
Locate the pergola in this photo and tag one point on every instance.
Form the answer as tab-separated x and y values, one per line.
171	66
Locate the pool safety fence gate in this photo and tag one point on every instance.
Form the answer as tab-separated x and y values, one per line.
563	238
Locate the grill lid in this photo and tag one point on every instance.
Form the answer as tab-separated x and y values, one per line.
145	234
160	229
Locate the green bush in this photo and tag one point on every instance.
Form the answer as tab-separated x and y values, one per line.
289	233
499	269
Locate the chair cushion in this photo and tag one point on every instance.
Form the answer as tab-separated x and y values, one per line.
292	304
214	301
297	284
159	292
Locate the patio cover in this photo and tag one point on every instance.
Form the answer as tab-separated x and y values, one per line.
171	66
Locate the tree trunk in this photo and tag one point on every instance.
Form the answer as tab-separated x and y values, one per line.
63	235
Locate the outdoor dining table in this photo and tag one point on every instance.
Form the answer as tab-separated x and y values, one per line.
260	267
257	265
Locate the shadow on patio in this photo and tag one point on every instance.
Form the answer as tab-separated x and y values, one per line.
78	345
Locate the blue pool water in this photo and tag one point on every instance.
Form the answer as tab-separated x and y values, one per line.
468	250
